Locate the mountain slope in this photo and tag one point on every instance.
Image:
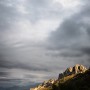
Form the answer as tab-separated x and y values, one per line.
74	78
77	82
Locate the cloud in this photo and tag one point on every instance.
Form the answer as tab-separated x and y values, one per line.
4	74
38	38
11	65
86	50
11	61
72	38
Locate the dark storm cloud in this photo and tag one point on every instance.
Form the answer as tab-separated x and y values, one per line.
10	80
73	35
19	65
71	54
86	50
71	39
3	74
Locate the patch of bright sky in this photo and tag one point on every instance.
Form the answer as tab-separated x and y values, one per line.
68	3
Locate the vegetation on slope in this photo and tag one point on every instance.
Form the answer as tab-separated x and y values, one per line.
78	82
74	78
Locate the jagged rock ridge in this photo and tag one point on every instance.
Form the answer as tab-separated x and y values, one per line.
77	69
73	70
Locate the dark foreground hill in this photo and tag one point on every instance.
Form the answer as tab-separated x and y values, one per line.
78	82
74	78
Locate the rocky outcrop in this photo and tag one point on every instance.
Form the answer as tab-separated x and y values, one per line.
69	71
45	84
48	83
73	70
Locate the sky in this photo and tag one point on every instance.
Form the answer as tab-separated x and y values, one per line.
41	38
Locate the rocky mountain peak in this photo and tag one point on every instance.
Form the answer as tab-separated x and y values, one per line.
73	70
69	71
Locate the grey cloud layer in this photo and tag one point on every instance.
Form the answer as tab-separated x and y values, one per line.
70	42
72	38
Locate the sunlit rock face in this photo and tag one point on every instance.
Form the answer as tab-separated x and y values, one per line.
45	84
69	71
73	70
